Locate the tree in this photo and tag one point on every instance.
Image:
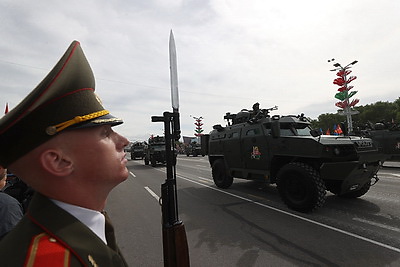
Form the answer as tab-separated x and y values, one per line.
397	105
372	113
327	121
378	112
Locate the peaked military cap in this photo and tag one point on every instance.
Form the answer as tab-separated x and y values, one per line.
63	100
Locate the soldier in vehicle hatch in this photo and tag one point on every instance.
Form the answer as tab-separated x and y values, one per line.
256	109
60	141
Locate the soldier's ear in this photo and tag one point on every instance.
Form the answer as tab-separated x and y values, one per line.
56	162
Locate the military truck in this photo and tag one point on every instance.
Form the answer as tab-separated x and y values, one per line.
155	151
387	138
137	150
194	149
285	151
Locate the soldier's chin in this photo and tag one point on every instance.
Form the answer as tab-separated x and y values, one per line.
126	174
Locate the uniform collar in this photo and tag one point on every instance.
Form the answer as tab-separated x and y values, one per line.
93	219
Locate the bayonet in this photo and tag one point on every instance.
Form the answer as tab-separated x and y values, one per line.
175	247
173	73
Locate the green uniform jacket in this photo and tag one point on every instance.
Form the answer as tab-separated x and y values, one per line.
51	231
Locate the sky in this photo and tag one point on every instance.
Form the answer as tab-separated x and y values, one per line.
231	54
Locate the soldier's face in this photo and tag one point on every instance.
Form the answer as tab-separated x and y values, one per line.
98	154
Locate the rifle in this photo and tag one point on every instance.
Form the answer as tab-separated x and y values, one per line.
175	246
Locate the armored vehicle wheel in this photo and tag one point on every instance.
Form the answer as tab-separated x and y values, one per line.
220	176
358	193
153	162
301	187
146	161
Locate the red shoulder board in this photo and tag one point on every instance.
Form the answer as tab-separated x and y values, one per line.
45	250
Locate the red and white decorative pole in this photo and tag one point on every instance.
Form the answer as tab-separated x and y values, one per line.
198	130
344	93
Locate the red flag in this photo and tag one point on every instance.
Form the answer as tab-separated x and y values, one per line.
339	129
6	111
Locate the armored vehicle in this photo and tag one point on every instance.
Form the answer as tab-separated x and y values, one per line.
137	150
193	149
286	151
387	138
154	151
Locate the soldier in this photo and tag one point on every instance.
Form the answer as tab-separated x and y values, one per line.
256	108
60	141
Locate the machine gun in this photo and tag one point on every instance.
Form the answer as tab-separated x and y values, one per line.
250	116
175	246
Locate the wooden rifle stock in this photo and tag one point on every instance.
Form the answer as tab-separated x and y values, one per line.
175	246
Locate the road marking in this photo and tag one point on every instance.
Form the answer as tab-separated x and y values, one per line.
386	176
205	179
295	216
152	193
191	159
377	224
132	174
291	214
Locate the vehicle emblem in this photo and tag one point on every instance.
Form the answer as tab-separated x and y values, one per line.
255	154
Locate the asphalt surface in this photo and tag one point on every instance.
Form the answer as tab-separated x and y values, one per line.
248	225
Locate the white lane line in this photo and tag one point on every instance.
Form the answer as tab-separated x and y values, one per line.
152	193
387	177
205	179
293	215
132	174
377	224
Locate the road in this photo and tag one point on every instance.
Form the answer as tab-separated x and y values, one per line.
248	225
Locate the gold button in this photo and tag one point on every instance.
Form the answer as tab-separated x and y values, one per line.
51	130
52	240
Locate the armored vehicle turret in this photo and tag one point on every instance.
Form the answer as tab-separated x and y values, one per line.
284	150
